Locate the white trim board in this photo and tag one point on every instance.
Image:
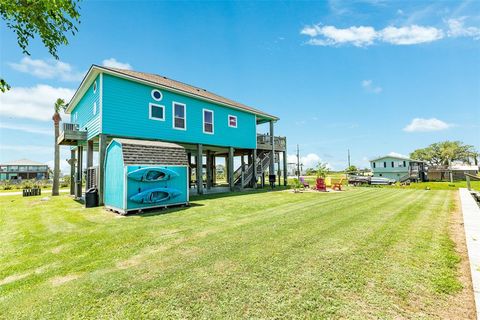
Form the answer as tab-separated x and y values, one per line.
184	115
203	121
150	105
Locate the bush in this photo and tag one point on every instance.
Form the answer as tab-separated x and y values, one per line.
296	185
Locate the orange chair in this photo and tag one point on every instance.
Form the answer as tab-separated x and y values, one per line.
337	185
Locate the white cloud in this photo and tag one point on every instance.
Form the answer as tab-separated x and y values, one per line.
358	36
425	125
48	69
32	102
113	63
397	155
410	35
25	128
456	28
366	35
311	160
369	87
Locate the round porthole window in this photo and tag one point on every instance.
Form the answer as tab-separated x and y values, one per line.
95	87
157	95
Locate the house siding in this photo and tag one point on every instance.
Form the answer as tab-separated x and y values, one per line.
83	114
125	112
390	172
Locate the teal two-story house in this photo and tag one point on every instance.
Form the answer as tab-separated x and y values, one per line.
398	168
114	103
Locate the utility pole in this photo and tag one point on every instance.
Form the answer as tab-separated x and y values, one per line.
298	163
349	158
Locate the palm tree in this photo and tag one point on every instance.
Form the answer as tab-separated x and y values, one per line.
59	106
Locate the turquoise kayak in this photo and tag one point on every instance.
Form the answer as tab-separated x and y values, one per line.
152	174
156	195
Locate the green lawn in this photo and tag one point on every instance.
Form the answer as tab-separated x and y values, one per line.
363	253
442	185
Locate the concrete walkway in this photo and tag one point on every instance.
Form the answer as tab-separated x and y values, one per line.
471	222
44	192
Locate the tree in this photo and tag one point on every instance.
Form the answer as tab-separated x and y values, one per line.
50	19
445	152
351	170
59	106
322	170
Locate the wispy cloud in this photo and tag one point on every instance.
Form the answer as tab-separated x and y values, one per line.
331	36
370	87
311	160
397	155
113	63
29	129
457	28
410	35
426	125
32	102
363	36
48	69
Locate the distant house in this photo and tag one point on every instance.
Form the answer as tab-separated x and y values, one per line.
398	168
453	172
23	169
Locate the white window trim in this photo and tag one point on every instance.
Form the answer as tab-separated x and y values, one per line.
95	87
184	113
203	122
153	97
95	108
236	121
150	111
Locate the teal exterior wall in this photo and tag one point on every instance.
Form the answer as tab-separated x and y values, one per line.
114	176
399	169
179	183
83	113
125	113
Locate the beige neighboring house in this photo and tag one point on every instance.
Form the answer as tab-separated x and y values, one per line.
458	170
23	169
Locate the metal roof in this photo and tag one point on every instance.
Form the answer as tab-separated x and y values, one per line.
143	152
23	162
395	157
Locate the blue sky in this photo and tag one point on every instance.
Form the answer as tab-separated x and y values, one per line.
371	76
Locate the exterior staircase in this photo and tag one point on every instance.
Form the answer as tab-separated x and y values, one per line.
244	176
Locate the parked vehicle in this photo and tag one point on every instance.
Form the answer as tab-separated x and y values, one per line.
357	180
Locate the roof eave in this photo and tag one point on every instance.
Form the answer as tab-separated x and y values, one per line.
95	69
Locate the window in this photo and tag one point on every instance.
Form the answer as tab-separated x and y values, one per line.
384	164
95	87
393	164
179	116
157	95
405	164
94	108
207	121
232	121
374	165
157	112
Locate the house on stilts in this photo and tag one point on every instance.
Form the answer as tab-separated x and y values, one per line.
113	104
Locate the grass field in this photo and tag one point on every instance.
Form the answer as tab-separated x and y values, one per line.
442	185
364	253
